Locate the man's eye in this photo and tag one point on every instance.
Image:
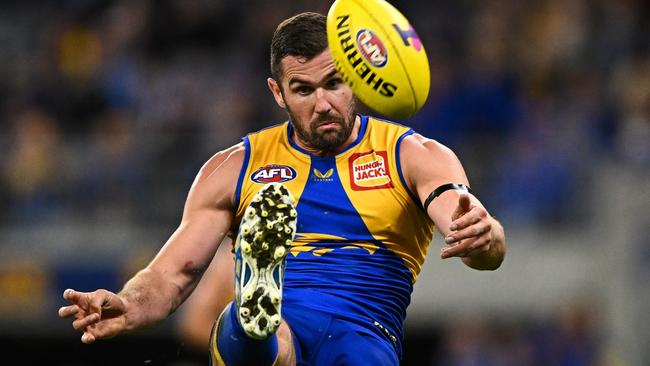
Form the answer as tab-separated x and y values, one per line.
333	83
303	90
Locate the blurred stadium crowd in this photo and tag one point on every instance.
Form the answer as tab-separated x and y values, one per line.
109	108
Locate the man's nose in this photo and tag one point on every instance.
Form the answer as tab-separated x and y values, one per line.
322	103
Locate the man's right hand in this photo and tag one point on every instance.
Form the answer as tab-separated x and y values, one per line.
99	314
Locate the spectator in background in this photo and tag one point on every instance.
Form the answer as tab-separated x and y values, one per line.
476	341
33	166
633	89
113	171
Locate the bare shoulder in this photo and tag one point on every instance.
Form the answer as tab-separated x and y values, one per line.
231	158
216	181
427	163
416	145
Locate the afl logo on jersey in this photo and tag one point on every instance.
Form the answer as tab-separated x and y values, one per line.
273	173
372	48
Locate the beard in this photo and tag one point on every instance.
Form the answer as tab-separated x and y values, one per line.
330	141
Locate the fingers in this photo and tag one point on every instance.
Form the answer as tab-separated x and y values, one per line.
457	250
464	205
88	301
83	323
78	305
467	248
470	234
96	313
72	295
88	338
470	227
464	201
478	249
82	304
474	215
68	311
107	328
109	302
84	308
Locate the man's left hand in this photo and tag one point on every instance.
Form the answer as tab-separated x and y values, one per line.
470	230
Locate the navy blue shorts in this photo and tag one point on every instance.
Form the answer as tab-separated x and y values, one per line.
324	340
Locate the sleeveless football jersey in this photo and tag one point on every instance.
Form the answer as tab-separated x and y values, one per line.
361	236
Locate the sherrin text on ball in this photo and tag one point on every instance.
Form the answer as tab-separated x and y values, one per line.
379	54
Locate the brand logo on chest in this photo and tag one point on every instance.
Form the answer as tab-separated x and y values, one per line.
273	173
319	176
370	170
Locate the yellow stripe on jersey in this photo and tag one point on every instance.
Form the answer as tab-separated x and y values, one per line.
371	178
268	148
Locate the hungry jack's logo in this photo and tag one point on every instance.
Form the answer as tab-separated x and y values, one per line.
370	170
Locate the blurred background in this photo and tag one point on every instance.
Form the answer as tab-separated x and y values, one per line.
109	108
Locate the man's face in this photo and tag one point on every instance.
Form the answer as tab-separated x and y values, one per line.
320	104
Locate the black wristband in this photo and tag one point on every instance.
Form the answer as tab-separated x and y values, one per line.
445	187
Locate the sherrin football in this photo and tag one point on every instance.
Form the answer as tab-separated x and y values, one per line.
379	55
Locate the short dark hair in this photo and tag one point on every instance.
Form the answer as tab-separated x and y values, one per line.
303	35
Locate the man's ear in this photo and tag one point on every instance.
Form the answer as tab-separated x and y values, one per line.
277	93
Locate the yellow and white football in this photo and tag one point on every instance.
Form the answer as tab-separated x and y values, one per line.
379	55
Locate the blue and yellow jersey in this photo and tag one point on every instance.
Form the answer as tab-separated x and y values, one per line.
361	236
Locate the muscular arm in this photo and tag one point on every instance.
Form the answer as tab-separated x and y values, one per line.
473	235
157	290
